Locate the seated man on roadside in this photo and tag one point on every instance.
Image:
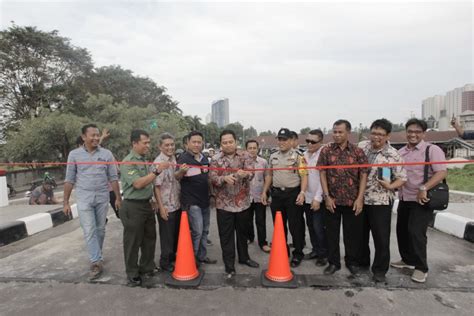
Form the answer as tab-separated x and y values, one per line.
44	194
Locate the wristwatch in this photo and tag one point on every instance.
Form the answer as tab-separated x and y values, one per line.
422	188
326	195
155	170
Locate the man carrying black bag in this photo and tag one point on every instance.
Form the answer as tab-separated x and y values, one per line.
414	213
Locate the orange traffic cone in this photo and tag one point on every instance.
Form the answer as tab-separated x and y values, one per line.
185	273
278	273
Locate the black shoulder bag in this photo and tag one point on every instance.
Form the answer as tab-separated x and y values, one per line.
439	194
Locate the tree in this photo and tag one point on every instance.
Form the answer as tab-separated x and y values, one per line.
52	137
237	128
47	138
305	131
211	134
250	133
193	123
267	133
124	86
36	70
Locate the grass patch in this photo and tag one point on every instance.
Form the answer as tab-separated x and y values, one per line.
462	179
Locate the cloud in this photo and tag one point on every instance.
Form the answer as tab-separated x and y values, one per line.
280	64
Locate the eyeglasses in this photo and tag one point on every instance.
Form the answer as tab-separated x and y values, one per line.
377	134
312	142
417	132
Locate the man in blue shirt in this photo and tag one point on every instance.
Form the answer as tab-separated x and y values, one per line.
88	172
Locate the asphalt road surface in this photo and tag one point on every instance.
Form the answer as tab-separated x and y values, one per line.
47	274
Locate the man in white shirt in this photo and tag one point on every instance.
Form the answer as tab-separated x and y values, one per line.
313	199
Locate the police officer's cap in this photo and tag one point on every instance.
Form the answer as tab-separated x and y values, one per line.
284	133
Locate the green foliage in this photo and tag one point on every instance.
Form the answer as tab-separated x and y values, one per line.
47	138
211	134
250	133
461	179
267	133
36	70
305	131
124	87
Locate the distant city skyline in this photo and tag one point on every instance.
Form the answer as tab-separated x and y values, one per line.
443	107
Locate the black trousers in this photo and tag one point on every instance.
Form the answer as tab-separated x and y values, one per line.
377	219
112	198
352	229
230	224
308	213
284	201
169	231
260	211
139	236
412	224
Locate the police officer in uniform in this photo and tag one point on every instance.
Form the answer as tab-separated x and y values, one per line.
287	190
136	213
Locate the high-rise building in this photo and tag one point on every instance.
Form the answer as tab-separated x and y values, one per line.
467	101
453	100
220	112
452	103
432	106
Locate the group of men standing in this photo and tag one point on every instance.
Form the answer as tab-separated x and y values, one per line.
240	185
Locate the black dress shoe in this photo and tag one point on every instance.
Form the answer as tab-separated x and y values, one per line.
379	278
207	260
352	269
330	269
133	282
295	262
321	262
167	268
250	263
311	255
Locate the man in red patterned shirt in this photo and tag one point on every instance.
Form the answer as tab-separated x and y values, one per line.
232	193
343	191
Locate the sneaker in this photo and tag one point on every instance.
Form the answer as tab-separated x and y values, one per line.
96	270
401	265
419	276
209	242
266	248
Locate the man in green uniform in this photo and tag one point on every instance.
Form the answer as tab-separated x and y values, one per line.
136	213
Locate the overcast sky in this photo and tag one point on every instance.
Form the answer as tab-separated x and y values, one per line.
280	64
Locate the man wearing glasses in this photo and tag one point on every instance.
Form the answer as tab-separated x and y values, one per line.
313	199
379	196
413	215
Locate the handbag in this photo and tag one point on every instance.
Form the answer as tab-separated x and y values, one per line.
439	194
